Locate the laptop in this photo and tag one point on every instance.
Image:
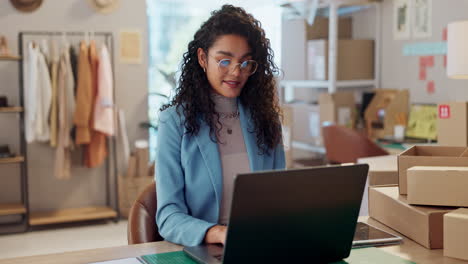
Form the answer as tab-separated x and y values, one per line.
290	216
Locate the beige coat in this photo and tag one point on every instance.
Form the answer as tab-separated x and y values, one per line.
65	107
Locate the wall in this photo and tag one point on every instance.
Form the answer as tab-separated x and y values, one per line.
87	186
402	72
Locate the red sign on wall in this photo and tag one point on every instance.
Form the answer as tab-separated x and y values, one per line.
444	111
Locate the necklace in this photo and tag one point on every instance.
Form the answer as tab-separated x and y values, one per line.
229	115
233	115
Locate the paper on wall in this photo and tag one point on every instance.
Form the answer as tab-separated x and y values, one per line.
425	48
422	18
401	19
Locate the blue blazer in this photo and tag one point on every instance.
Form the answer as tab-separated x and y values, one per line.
189	179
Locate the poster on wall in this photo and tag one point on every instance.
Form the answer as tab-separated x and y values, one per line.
130	47
422	18
401	19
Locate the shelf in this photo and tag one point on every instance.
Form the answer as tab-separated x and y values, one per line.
17	159
71	215
308	147
10	57
12	209
13	109
324	84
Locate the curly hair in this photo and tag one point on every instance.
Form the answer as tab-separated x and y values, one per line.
258	93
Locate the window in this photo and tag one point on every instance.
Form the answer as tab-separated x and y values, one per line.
172	24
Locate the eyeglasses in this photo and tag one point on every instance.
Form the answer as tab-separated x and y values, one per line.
247	67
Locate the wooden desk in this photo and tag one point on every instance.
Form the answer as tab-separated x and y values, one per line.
408	250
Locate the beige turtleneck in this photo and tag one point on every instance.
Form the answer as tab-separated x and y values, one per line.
234	158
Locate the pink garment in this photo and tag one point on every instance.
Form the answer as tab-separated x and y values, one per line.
104	107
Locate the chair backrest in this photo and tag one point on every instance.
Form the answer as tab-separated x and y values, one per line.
344	145
142	226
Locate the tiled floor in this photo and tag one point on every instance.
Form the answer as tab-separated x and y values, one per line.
64	239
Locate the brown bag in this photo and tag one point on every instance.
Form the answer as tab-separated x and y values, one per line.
132	184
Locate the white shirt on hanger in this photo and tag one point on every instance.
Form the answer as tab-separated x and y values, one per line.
38	95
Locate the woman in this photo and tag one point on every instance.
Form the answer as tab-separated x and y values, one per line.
223	120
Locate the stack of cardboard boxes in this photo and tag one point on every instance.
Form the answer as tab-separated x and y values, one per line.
424	205
306	58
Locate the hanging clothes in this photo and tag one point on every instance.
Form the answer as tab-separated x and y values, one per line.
96	150
66	108
38	96
74	63
30	90
53	119
104	108
83	97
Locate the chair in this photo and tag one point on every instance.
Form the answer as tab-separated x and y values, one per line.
142	226
344	145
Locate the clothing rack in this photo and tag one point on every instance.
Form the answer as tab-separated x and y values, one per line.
82	213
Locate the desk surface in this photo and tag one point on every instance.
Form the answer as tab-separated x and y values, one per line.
408	250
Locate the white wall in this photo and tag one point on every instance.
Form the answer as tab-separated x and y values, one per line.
402	72
87	186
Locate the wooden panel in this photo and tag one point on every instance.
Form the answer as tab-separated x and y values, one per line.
13	228
9	57
14	109
71	215
11	160
12	209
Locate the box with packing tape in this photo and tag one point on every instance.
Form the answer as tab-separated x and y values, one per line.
443	186
429	156
452	124
422	224
355	59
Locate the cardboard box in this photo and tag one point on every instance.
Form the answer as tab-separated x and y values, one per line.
380	115
287	131
383	170
419	223
306	123
429	156
444	186
319	30
294	44
456	234
355	59
338	108
452	124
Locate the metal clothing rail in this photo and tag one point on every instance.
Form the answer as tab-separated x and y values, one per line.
110	169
